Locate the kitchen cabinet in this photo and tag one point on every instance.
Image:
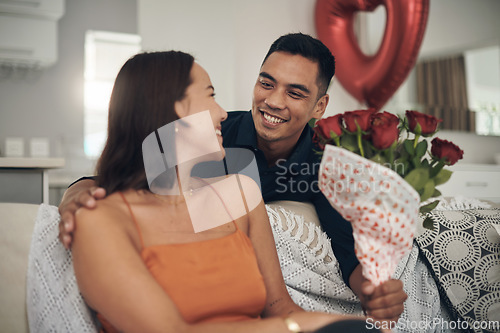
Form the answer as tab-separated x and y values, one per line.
50	9
28	32
481	181
35	40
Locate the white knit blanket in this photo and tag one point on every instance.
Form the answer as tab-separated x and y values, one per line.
53	301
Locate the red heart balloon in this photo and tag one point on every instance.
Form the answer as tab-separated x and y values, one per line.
372	79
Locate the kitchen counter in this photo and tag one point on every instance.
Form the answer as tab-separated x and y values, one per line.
25	179
481	181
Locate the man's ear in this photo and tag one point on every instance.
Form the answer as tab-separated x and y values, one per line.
320	107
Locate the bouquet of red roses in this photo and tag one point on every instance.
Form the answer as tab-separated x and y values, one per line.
379	136
375	171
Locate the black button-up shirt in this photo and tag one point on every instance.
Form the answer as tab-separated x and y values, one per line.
294	179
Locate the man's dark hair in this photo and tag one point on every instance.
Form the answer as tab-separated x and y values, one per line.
310	48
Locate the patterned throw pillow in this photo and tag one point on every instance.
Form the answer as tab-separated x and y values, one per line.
463	250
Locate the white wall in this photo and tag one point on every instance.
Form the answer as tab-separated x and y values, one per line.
50	103
458	25
230	39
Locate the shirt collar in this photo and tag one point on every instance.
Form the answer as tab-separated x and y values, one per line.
247	137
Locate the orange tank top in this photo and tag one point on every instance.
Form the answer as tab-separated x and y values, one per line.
214	280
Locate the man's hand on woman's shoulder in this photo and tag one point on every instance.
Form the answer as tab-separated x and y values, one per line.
82	194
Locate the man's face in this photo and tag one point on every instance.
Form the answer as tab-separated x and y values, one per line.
285	98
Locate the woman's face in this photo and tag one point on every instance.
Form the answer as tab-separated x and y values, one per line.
199	97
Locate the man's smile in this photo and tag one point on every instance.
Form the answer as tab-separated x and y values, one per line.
272	119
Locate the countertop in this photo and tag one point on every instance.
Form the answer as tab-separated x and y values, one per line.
31	162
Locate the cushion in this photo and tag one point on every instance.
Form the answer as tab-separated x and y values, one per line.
463	251
53	300
310	270
16	227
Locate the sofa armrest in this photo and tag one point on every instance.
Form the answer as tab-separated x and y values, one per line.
16	226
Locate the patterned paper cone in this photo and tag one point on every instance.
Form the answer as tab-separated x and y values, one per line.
381	206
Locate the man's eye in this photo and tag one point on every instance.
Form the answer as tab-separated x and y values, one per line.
266	85
295	95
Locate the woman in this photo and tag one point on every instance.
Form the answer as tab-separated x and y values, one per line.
142	259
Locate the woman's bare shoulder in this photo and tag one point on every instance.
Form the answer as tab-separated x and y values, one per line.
107	213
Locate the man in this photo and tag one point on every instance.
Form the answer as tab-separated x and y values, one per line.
289	92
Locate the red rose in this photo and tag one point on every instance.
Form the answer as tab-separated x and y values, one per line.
447	150
384	117
428	124
324	126
384	131
360	117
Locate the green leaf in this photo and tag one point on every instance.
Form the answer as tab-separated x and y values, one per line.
402	153
436	193
418	129
369	151
421	149
378	159
312	122
428	190
442	177
428	223
430	206
401	159
408	144
333	135
416	162
401	167
349	142
436	169
417	178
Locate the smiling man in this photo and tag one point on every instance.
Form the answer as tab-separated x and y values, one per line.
290	91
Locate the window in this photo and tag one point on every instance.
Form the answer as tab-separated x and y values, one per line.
105	54
483	87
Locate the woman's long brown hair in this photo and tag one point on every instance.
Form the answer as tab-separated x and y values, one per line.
143	100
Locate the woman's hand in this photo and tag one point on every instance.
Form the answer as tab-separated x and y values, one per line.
82	194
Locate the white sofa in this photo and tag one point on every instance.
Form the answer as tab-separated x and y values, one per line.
59	308
38	290
16	227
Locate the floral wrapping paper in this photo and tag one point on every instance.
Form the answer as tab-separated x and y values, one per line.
382	208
